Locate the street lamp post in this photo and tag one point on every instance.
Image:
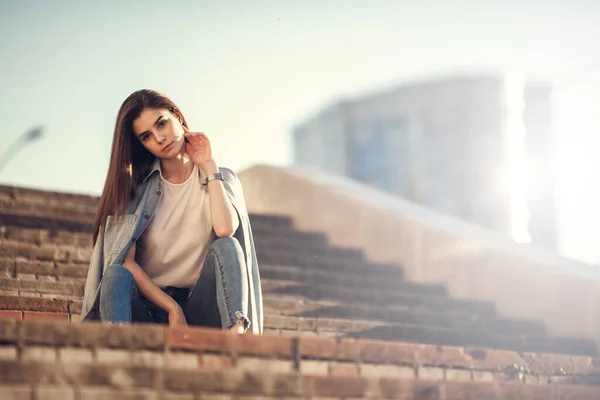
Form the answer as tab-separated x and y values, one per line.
19	143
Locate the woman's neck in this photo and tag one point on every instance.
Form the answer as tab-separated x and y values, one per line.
176	170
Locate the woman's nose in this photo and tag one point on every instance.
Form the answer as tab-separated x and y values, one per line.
159	137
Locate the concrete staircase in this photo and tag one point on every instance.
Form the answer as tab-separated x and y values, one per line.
336	326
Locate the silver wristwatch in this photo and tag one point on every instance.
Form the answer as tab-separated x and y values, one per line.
214	177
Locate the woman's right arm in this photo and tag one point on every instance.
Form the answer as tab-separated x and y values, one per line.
153	292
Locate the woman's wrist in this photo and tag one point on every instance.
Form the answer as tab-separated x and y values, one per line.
172	305
210	167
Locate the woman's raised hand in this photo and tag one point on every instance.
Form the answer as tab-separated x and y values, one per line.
198	148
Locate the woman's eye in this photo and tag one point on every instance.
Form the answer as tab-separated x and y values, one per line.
162	122
145	137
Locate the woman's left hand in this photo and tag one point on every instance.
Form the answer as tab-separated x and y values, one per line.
198	148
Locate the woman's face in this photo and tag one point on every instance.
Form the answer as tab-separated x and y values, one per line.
160	132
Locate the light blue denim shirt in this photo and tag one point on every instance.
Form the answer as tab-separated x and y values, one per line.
115	239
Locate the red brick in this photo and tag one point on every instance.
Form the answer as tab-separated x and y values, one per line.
8	265
529	392
391	388
348	350
217	340
551	364
103	393
492	359
480	390
94	334
268	346
265	366
314	367
335	386
343	369
42	286
378	352
568	392
51	392
215	361
431	373
387	370
329	348
72	271
33	304
45	316
35	267
9	331
444	356
9	314
323	348
199	339
15	392
176	359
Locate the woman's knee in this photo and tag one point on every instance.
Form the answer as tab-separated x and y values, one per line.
226	245
116	292
117	271
118	279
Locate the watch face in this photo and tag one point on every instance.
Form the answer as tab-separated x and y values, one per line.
217	176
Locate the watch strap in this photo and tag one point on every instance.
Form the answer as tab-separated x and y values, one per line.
214	177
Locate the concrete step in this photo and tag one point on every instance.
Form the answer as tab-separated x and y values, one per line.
405	294
25	268
330	259
293	244
302	308
265	240
278	305
11	194
281	221
38	236
434	335
376	298
45	252
45	221
66	206
87	360
354	279
358	328
72	290
275	256
408	295
39	229
40	304
77	220
275	305
68	210
21	268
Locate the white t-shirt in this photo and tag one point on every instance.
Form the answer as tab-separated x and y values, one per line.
173	247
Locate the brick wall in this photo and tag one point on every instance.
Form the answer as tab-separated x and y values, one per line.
86	360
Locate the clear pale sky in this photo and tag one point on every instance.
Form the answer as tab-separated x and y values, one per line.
245	72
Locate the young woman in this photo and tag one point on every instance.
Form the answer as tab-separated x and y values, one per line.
172	239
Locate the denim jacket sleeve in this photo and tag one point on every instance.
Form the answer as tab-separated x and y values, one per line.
94	276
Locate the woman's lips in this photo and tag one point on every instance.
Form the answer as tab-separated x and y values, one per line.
167	147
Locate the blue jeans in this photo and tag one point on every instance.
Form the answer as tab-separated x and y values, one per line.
218	299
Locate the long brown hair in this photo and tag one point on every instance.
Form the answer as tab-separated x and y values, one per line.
130	162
